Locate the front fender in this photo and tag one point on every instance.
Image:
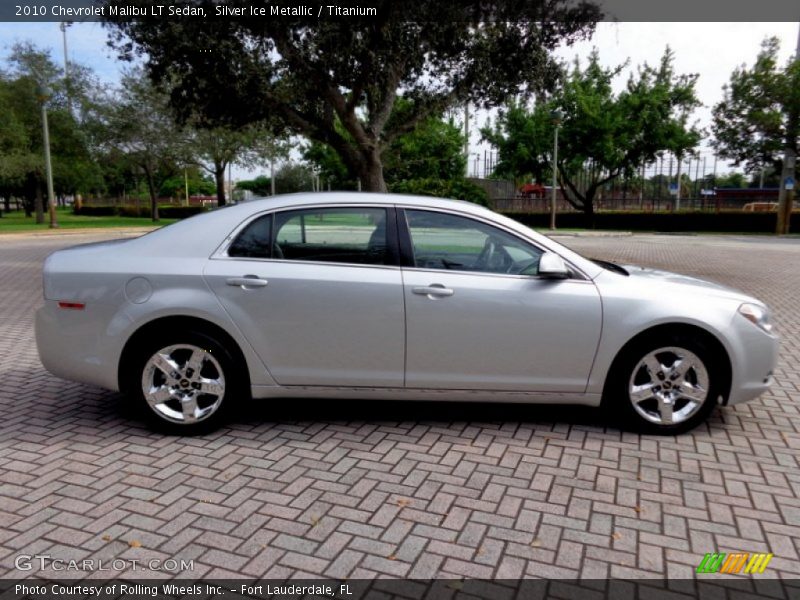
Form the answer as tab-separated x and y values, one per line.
629	310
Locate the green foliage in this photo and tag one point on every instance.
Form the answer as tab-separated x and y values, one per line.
199	184
139	129
312	73
260	186
759	114
433	150
602	135
458	189
329	165
293	177
22	171
731	180
215	148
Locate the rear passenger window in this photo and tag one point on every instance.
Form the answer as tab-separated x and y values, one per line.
342	235
254	240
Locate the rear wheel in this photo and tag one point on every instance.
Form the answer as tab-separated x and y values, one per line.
184	381
667	385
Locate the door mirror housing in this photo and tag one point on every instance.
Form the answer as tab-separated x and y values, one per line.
552	266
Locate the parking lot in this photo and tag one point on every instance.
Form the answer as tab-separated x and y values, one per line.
420	490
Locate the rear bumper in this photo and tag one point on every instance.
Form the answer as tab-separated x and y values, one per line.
73	344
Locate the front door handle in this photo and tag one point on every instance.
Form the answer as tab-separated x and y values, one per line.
248	281
435	290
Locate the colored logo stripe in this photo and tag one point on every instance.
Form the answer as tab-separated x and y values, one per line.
719	562
758	563
711	563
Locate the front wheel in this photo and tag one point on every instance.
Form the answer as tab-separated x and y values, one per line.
665	386
185	382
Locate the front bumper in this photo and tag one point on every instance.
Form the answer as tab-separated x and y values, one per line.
753	361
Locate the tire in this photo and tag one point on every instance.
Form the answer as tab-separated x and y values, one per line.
664	385
185	382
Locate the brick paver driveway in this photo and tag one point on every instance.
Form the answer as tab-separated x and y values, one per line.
360	489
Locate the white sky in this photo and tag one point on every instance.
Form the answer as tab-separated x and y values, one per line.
712	50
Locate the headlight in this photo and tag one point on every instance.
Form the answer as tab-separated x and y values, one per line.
757	315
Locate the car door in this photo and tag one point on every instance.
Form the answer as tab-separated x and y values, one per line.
478	316
318	293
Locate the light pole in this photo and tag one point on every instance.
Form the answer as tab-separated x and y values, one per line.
63	27
556	116
44	95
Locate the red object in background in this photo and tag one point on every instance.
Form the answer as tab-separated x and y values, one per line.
531	190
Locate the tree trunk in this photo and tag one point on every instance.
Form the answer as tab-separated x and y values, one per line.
219	177
370	172
7	203
785	197
39	204
588	211
586	199
151	187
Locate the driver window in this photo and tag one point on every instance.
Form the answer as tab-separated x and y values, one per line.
444	241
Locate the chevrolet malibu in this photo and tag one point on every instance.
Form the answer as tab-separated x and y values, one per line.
349	295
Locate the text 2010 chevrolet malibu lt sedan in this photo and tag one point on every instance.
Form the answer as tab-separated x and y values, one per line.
349	295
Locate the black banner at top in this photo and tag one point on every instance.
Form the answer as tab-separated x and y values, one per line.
612	10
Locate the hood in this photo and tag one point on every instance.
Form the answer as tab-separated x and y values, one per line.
656	276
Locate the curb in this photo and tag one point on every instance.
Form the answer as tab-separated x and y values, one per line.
78	231
590	234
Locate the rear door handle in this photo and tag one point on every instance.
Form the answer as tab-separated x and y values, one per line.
248	281
433	291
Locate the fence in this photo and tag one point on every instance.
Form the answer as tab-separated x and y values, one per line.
648	188
756	200
144	202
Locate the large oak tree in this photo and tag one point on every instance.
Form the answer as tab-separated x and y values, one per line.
312	73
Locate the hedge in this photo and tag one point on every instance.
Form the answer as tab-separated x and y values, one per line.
166	212
724	221
96	211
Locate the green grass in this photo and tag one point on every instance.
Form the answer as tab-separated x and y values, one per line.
17	222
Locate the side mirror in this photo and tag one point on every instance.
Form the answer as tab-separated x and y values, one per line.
551	266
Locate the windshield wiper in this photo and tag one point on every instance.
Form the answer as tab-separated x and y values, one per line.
610	266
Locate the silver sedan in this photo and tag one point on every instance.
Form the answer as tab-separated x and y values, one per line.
349	295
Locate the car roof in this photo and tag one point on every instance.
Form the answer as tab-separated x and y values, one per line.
315	198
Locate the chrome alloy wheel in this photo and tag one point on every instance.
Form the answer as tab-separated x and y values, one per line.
183	383
668	385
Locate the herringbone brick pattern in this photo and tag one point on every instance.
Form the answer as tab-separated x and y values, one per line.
360	489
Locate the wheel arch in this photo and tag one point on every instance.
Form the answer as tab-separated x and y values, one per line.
180	322
689	330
